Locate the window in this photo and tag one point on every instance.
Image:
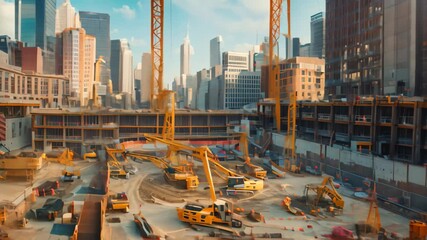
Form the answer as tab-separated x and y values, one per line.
13	130
303	79
303	86
20	128
302	72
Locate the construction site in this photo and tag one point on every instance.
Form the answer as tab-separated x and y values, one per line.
290	170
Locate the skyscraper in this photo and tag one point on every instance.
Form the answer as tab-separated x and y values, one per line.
186	51
66	17
215	51
35	26
77	58
98	25
317	45
146	77
376	47
295	47
121	66
354	47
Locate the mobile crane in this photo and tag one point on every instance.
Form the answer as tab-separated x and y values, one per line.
250	168
219	212
115	167
173	174
322	190
235	182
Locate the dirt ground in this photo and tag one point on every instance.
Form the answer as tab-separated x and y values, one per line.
149	194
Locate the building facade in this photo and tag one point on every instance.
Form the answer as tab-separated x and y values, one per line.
354	47
35	27
304	75
146	78
122	67
215	51
48	90
13	50
237	85
98	25
66	17
77	58
317	44
295	47
32	59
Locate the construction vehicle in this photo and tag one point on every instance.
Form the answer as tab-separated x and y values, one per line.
327	187
178	175
60	155
114	165
248	167
417	230
286	203
219	212
89	155
236	183
118	201
3	215
144	228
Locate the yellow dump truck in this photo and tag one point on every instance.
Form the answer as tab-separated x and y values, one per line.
118	201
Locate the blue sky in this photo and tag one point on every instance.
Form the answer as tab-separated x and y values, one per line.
242	23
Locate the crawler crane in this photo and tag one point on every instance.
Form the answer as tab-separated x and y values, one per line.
219	212
252	169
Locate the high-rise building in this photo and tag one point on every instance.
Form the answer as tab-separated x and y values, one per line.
295	47
376	47
122	67
215	51
35	26
137	75
354	47
98	25
405	48
304	50
146	77
66	17
77	58
317	44
32	59
13	50
304	75
186	51
289	52
203	78
237	85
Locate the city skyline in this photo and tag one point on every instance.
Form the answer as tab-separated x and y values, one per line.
131	20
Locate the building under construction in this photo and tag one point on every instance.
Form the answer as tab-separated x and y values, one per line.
82	130
395	128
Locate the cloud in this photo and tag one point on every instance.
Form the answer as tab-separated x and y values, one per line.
114	31
140	5
7	18
137	42
125	11
233	17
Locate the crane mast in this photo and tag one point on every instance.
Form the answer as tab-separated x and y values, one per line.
273	58
156	84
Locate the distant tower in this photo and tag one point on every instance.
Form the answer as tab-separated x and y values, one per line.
122	67
35	26
215	51
98	25
317	45
186	51
66	17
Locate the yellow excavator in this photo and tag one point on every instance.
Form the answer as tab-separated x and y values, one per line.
248	167
236	183
327	187
219	212
173	174
115	167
